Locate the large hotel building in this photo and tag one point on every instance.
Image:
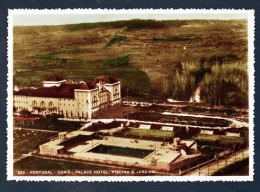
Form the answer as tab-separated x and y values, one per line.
70	99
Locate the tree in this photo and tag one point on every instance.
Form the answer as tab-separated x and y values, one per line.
25	112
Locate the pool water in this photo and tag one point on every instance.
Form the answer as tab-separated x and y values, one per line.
138	153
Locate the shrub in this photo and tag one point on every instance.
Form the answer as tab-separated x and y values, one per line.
114	39
220	140
25	112
208	110
100	126
120	61
185	120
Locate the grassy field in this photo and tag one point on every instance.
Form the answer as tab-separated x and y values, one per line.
157	134
210	52
185	120
50	124
37	163
26	141
115	39
134	81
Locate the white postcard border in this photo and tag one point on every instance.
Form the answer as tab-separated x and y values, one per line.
251	25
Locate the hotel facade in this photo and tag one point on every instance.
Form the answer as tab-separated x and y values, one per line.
70	99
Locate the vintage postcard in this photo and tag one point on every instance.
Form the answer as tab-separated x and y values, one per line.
130	95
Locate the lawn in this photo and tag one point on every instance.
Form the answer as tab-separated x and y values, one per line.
158	134
37	163
185	120
50	124
26	141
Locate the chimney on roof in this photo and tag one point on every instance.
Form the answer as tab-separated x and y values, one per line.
53	81
100	85
82	82
176	141
62	135
16	88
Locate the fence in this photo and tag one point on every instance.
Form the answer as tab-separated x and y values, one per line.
226	156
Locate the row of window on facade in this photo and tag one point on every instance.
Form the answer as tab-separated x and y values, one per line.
21	108
42	103
70	114
16	96
50	104
94	98
68	104
26	102
82	94
83	101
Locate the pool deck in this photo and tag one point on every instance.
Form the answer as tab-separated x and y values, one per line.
82	151
160	153
161	157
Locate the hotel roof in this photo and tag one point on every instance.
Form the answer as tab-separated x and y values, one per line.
109	80
65	90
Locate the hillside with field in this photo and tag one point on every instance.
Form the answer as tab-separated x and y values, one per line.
154	59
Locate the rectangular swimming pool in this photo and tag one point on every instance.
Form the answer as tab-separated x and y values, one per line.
123	151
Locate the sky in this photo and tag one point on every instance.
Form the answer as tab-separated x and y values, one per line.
85	16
